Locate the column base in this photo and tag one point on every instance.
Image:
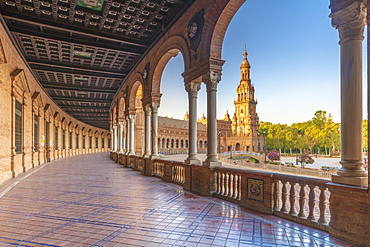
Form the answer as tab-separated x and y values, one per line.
212	163
192	161
131	153
146	156
354	181
154	156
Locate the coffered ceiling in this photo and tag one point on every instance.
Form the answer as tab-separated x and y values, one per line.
82	50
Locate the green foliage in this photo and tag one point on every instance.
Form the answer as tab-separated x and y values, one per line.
320	134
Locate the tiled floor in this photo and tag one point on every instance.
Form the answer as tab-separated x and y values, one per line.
89	200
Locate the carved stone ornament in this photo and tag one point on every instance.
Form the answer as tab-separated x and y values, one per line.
192	87
155	106
195	28
350	21
147	110
214	79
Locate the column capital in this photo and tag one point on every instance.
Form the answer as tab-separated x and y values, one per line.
350	21
155	106
192	88
148	110
213	79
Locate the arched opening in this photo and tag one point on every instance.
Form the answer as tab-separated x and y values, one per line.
237	146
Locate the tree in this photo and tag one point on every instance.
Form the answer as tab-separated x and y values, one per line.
305	158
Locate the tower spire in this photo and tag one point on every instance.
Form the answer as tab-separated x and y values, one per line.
245	66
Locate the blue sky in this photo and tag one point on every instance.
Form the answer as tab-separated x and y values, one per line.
294	54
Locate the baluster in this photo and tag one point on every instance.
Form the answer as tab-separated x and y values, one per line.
236	181
223	184
240	188
284	198
302	201
218	182
231	185
226	184
311	203
322	206
292	199
276	196
181	174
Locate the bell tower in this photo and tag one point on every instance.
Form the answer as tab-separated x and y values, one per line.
245	121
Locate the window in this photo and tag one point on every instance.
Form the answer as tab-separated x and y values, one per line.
18	127
70	140
36	133
77	141
96	142
83	142
108	143
90	141
64	139
102	142
56	139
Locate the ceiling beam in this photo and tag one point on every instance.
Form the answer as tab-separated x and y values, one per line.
85	107
73	70
74	67
86	100
92	117
77	88
71	40
76	30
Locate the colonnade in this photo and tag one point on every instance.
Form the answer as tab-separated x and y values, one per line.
123	140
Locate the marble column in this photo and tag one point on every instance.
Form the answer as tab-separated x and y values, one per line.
192	88
124	142
147	113
127	136
211	84
131	141
111	140
114	139
155	106
350	22
119	136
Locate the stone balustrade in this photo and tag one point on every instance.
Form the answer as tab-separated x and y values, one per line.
296	198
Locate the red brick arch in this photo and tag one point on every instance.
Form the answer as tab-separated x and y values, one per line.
170	48
132	91
121	108
221	26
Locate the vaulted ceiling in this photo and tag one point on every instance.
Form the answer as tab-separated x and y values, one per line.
82	50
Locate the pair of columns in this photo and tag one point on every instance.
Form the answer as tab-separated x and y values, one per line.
124	143
193	88
350	22
151	130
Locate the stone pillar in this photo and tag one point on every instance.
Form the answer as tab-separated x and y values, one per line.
155	106
211	84
124	142
192	88
147	113
127	135
350	22
131	137
114	137
119	136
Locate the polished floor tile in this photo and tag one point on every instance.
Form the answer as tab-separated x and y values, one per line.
89	200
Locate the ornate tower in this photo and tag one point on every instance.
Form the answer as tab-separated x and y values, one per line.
245	121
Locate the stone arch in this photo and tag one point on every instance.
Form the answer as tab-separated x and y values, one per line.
170	48
121	108
221	26
132	90
237	146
